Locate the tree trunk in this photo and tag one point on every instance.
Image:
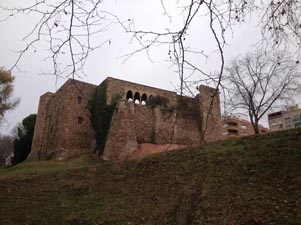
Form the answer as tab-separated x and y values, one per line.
256	127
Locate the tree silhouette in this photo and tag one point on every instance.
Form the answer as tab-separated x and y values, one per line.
23	141
257	82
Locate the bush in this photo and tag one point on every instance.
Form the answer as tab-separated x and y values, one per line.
157	101
101	115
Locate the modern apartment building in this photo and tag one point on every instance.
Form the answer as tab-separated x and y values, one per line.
237	125
283	120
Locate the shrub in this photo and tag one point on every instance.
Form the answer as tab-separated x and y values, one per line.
157	101
101	115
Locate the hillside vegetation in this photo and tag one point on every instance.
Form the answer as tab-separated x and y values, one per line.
251	181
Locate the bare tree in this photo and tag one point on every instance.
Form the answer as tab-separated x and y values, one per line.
258	81
68	26
280	23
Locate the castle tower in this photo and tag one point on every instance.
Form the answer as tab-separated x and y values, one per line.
209	107
63	125
42	125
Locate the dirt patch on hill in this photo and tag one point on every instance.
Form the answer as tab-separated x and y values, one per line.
147	149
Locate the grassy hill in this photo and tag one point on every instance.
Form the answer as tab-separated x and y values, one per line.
252	181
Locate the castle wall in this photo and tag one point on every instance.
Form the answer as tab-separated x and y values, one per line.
210	113
120	87
187	129
144	120
133	124
121	140
164	123
78	133
160	125
41	126
65	128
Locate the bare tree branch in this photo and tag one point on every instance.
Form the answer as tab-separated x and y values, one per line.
258	81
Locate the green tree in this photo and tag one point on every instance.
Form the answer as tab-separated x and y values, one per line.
23	141
101	115
6	91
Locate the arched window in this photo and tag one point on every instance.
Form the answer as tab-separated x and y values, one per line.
137	98
143	99
129	96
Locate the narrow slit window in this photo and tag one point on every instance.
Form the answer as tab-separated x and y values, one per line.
80	120
79	99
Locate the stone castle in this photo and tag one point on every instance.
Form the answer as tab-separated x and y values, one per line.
63	126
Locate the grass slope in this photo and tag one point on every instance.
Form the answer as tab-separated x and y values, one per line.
251	181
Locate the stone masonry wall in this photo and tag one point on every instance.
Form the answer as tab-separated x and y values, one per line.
120	87
144	120
121	141
210	114
136	124
164	123
64	128
187	129
41	126
78	133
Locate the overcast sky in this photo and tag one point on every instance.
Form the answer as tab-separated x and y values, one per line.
107	61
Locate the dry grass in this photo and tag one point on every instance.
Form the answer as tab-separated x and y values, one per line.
250	181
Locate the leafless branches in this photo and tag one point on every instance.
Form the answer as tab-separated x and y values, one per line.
67	26
70	27
281	22
179	49
257	81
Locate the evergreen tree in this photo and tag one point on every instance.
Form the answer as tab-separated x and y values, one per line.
23	141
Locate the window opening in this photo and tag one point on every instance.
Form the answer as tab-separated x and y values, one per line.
80	119
143	99
137	98
129	96
288	121
79	99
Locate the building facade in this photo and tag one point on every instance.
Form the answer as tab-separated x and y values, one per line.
237	125
283	120
63	125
